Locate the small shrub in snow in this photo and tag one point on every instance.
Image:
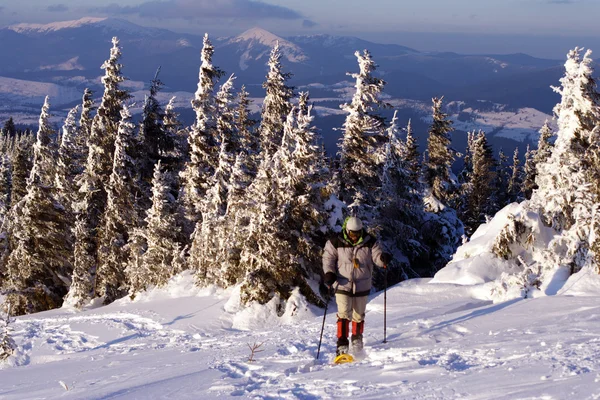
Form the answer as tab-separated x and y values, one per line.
7	343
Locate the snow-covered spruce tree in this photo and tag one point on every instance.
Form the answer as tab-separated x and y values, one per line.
95	177
174	160
529	174
39	267
401	213
306	178
156	264
120	216
503	174
269	262
276	105
480	194
362	144
5	183
412	158
545	145
67	167
516	179
438	167
207	244
21	167
85	126
564	180
203	141
156	143
245	126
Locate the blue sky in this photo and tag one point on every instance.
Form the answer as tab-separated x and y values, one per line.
381	20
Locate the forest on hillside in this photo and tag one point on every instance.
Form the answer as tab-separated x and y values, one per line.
106	208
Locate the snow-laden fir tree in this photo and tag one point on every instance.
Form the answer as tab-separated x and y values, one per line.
516	179
412	158
248	135
529	174
85	126
5	184
306	178
401	213
174	160
39	267
503	175
203	140
155	142
207	244
276	105
21	167
67	168
567	198
120	216
362	144
545	145
94	180
158	262
564	182
479	193
438	167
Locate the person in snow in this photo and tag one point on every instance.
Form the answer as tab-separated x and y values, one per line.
348	262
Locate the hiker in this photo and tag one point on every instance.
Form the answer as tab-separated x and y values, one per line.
348	265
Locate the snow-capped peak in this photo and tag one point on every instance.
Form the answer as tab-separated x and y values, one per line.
54	26
262	36
252	41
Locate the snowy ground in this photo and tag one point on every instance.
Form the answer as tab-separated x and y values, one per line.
445	341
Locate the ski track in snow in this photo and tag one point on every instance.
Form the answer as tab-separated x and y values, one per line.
442	349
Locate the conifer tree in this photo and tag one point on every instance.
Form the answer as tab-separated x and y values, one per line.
120	217
10	129
438	168
362	144
85	126
276	105
67	164
544	147
203	141
175	133
529	174
401	213
503	174
155	142
21	167
479	198
40	261
412	158
568	192
516	179
7	343
94	181
158	261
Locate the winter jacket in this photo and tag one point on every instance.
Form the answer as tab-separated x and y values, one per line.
353	279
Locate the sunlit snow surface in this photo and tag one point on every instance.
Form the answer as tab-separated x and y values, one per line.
445	341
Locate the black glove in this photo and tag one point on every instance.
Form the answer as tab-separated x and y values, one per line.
330	279
386	258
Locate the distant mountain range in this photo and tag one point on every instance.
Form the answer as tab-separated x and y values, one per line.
60	51
63	58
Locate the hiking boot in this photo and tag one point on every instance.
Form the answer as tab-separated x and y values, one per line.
357	343
342	349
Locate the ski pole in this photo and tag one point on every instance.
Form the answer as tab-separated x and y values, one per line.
385	305
323	326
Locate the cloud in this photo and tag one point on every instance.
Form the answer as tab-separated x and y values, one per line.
308	24
57	8
200	9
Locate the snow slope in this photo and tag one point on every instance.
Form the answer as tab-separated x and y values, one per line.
445	341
